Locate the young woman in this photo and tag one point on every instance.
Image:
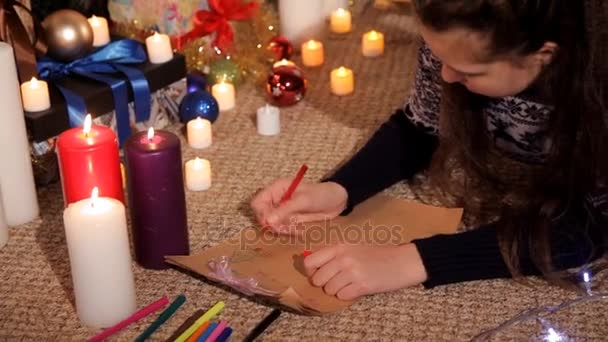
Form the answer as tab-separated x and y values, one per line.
508	113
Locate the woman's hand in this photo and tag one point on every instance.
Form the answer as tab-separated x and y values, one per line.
351	271
309	202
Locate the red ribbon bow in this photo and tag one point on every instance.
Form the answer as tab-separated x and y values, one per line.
218	17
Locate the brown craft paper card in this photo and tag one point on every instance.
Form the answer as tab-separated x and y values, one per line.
276	261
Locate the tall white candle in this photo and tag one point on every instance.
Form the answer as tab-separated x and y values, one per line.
16	175
301	20
224	94
199	133
3	227
198	174
98	245
268	120
35	95
101	33
159	48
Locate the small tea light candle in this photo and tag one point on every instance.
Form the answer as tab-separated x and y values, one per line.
372	44
198	174
101	33
159	48
283	62
268	120
199	133
342	81
224	94
312	53
35	95
340	21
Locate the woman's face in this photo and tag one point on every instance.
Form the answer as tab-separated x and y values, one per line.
462	53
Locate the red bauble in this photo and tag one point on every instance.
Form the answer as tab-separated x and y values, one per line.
286	85
280	47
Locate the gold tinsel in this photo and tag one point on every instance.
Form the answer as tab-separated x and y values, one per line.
249	51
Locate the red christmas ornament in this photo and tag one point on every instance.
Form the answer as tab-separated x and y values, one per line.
280	47
286	85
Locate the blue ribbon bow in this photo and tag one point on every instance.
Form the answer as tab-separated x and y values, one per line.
111	59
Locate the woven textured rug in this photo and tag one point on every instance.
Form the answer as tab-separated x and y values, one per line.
36	296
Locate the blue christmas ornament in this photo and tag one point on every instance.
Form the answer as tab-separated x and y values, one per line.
199	103
196	81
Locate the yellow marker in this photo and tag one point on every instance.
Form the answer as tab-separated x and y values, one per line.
204	318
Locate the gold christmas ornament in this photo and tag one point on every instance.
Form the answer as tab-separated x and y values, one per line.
68	34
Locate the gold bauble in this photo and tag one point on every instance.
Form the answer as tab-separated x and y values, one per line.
68	34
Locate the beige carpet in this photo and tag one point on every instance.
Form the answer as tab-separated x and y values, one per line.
36	297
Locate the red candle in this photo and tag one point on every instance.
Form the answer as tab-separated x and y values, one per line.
88	157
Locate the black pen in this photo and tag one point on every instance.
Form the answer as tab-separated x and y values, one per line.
263	325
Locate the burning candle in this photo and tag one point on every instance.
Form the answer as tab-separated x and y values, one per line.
224	94
199	133
159	48
372	44
198	174
88	156
156	196
101	34
268	120
342	81
16	175
312	53
35	95
100	260
340	21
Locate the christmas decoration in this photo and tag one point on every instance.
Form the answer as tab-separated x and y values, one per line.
199	104
196	81
286	85
280	47
224	70
68	35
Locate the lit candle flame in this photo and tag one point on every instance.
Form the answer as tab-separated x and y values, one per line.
94	20
150	133
198	163
312	44
340	12
34	83
342	71
373	35
156	36
94	196
88	121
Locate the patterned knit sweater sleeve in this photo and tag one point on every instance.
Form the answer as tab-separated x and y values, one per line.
403	146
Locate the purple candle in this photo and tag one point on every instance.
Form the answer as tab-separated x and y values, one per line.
156	196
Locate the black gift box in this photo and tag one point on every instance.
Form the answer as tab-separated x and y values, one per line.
97	96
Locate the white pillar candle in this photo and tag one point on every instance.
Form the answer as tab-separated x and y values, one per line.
224	94
199	133
372	44
16	175
312	53
35	95
198	174
101	33
342	81
159	48
100	260
340	21
301	20
268	120
3	226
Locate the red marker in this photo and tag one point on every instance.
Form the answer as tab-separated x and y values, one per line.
294	184
306	253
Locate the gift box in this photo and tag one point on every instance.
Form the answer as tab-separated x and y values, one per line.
97	96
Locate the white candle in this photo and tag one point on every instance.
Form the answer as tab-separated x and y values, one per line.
301	20
35	95
100	260
101	33
268	120
199	133
16	175
198	174
3	226
342	81
312	53
340	21
159	48
224	94
372	44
